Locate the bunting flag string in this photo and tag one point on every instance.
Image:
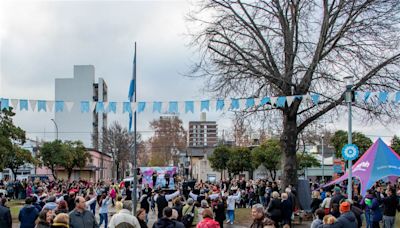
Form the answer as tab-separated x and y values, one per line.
191	106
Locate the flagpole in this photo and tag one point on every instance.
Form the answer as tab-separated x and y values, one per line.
135	146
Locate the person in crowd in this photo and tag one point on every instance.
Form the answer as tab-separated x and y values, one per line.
177	205
5	215
219	211
316	201
259	218
51	203
62	207
286	206
162	201
231	200
329	221
45	218
326	203
118	203
36	204
337	197
190	207
165	221
319	216
203	206
207	221
373	213
80	217
71	200
274	209
61	221
347	219
124	217
28	214
174	218
335	210
390	204
103	201
141	217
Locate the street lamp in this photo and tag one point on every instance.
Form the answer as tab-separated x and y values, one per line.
348	98
322	160
55	124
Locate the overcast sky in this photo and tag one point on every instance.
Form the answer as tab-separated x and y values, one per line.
42	40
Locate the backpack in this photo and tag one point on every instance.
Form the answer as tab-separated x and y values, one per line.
188	218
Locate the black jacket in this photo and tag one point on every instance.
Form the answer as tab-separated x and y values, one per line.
390	205
166	223
5	217
347	220
274	210
219	211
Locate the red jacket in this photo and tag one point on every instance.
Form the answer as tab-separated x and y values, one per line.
208	223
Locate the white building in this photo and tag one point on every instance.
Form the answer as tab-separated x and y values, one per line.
75	125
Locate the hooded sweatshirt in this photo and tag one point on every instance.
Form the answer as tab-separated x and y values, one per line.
27	216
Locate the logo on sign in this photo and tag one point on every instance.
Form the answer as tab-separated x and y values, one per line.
350	152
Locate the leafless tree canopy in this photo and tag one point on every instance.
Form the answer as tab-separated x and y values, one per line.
117	141
261	48
291	47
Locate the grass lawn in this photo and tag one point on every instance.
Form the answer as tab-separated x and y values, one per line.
15	206
243	216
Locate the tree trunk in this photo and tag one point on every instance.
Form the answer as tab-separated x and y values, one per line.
69	174
53	172
288	143
117	166
14	173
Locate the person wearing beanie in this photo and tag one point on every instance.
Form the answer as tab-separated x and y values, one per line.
347	219
337	196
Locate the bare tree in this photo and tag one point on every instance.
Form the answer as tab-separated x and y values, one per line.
169	138
292	47
117	141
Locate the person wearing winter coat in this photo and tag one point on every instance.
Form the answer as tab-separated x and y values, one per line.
390	204
124	217
274	209
372	211
208	221
28	214
165	221
5	215
347	219
45	218
286	210
319	216
259	218
219	211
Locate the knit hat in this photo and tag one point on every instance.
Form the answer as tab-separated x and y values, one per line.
344	207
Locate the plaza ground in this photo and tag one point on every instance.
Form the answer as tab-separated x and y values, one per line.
243	216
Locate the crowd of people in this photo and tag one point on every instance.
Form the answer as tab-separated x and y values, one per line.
82	204
333	209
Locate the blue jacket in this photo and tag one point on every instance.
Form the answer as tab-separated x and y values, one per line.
27	216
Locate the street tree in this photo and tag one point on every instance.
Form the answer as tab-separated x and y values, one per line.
239	160
339	140
49	155
117	141
73	155
395	144
17	157
292	47
219	158
268	154
307	161
169	138
9	135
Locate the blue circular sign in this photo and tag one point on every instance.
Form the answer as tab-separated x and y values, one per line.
350	152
